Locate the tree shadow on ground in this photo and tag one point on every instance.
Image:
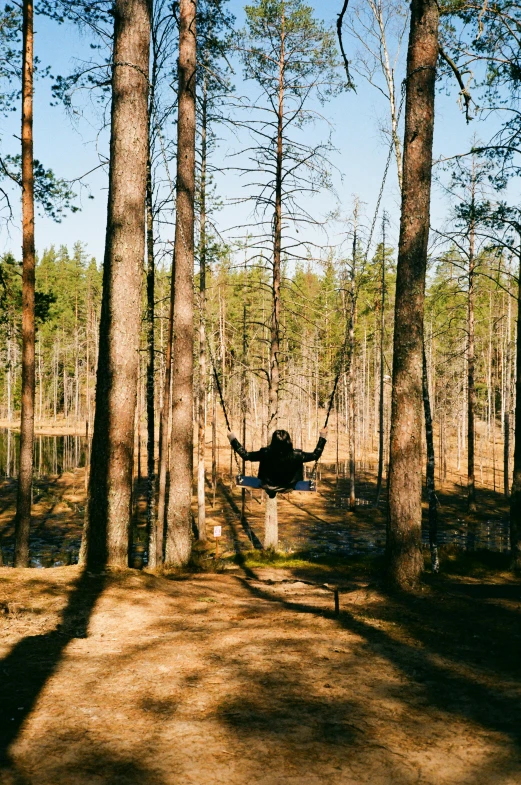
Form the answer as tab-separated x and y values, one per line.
460	653
30	664
83	766
252	537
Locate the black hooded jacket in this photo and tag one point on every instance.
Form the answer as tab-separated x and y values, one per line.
280	471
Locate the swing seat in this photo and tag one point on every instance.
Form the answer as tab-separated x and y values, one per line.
248	482
305	486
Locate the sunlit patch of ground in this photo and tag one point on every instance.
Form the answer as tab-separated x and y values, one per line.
249	677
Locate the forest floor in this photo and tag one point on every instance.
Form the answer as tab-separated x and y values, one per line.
247	676
241	672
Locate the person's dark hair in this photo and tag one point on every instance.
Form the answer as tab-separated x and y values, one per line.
281	443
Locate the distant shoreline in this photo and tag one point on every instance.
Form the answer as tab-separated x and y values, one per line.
49	427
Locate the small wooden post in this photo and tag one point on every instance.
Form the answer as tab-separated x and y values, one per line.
337	601
216	534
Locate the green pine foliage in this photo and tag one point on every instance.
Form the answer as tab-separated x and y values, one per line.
68	297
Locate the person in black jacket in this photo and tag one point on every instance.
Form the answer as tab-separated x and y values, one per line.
280	466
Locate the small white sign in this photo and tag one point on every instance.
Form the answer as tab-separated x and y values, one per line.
216	531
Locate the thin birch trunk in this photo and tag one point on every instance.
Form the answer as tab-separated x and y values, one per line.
381	440
351	368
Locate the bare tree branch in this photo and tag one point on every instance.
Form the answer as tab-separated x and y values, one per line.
467	98
339	23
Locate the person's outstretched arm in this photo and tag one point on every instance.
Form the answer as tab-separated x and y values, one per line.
239	449
319	449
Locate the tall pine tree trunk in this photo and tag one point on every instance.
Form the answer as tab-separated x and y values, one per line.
25	472
201	493
106	534
150	344
471	365
506	403
178	540
244	383
431	487
274	375
515	498
271	525
214	442
404	544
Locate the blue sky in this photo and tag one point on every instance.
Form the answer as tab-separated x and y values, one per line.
71	148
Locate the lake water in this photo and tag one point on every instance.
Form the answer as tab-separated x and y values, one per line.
53	545
52	454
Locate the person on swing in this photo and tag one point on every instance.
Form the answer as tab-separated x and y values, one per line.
280	466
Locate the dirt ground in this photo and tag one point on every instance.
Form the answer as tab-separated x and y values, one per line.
249	677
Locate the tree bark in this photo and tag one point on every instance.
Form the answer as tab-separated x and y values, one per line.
106	534
244	382
507	375
515	497
431	487
381	438
271	524
214	442
274	375
151	274
201	492
388	71
471	361
25	472
404	545
155	550
178	540
351	369
270	520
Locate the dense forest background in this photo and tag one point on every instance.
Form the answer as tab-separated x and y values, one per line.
314	306
258	283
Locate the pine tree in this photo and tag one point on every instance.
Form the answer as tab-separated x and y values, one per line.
404	546
179	517
25	473
106	534
291	57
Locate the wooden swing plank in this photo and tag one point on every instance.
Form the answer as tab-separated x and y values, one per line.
303	486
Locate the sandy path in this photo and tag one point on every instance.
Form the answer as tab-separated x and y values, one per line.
241	678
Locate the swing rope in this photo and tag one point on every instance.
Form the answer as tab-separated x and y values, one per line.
332	397
330	402
221	397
